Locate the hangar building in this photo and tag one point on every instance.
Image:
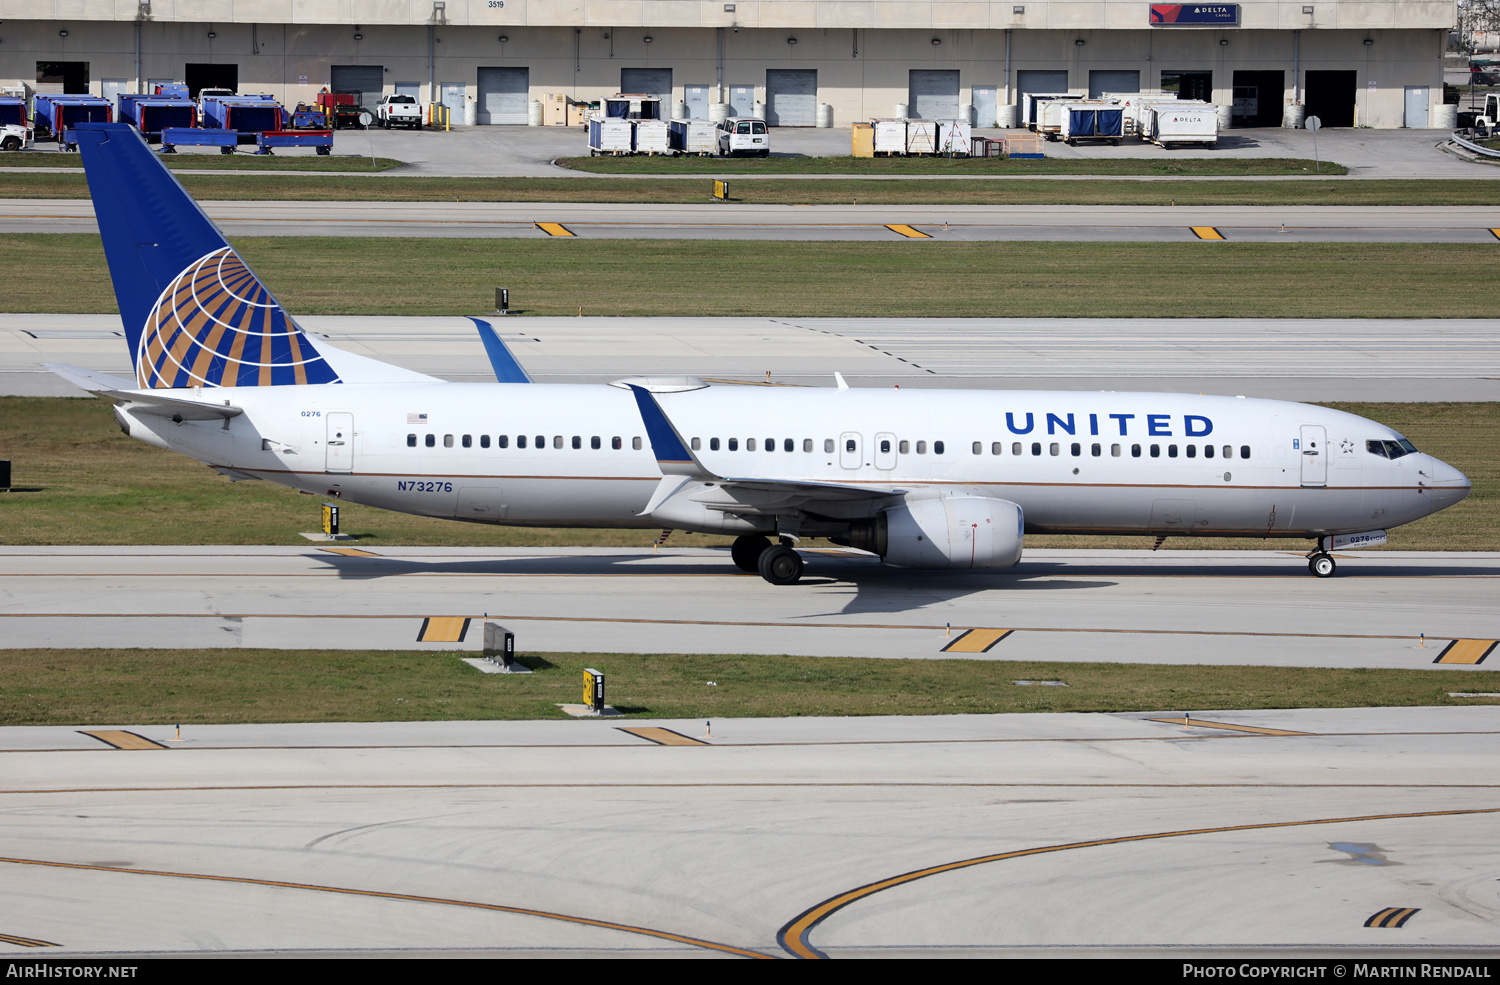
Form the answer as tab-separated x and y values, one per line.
1374	63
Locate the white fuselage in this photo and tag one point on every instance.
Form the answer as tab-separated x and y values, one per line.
579	455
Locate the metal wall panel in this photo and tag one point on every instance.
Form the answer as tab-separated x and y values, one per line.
1112	80
648	82
367	80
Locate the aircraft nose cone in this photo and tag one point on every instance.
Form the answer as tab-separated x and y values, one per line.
1447	484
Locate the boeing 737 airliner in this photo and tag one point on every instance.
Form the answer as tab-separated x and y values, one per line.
922	478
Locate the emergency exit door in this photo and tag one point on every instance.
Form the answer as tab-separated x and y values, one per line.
340	443
1314	455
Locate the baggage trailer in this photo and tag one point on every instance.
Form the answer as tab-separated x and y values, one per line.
153	114
649	137
632	106
52	114
1031	117
890	137
954	137
322	140
1172	126
173	137
1082	121
699	137
609	136
921	136
247	115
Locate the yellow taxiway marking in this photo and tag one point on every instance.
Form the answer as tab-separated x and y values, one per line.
664	737
26	941
554	229
793	936
907	231
1466	652
443	629
1199	723
1392	916
404	897
123	740
976	640
348	551
1206	232
1495	233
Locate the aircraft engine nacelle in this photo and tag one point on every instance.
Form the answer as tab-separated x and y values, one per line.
952	531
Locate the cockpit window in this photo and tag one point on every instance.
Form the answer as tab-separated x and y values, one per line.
1390	449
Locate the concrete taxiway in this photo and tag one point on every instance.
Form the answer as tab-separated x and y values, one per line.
1383	609
1339	833
1291	358
1106	223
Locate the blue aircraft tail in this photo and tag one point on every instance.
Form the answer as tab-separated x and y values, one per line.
194	313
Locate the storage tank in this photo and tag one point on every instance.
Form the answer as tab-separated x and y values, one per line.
1226	116
966	113
534	113
1005	117
1295	113
718	113
679	110
758	111
471	112
901	113
1445	117
825	116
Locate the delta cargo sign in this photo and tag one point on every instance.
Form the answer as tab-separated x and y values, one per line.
1195	13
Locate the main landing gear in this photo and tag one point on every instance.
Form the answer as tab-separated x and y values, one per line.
778	564
1321	564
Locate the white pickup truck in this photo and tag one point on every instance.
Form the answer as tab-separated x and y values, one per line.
399	111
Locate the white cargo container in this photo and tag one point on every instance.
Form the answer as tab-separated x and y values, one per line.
890	136
609	136
694	137
650	137
1136	111
1031	108
954	136
1172	126
921	136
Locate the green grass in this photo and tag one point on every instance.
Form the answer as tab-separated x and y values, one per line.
793	191
80	481
244	160
1002	167
141	687
900	278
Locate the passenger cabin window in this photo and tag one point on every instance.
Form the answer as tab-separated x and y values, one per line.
447	441
411	441
1156	451
557	441
997	448
468	441
828	446
484	441
431	441
1015	448
1114	451
904	447
1135	451
979	448
615	443
1036	448
1208	451
770	444
788	444
520	441
921	447
1097	449
807	445
635	443
577	442
594	443
937	447
502	441
713	444
1244	451
734	444
1077	449
541	441
749	444
1171	451
1054	448
1192	451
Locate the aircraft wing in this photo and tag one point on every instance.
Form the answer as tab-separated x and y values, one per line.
683	473
123	391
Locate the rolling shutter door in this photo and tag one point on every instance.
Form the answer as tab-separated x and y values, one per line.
367	80
648	82
1101	82
503	95
1039	81
934	95
792	97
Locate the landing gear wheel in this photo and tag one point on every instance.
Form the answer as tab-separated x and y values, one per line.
780	565
1322	565
747	550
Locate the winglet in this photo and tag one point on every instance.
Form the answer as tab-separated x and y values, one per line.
507	369
672	454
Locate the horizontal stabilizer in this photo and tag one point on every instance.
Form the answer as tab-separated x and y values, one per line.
87	379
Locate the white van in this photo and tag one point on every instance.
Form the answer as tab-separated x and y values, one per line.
743	135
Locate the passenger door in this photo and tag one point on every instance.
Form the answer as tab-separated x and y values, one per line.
885	451
1314	455
340	443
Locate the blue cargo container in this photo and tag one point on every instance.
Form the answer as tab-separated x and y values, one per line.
13	111
1093	123
173	90
153	114
248	115
55	113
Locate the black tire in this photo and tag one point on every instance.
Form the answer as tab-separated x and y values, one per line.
11	143
781	565
226	150
747	550
324	150
766	152
1322	565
